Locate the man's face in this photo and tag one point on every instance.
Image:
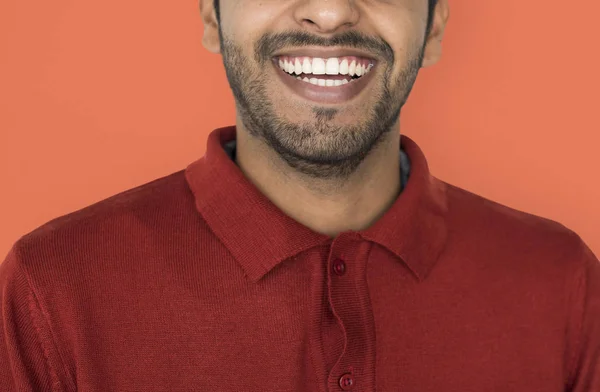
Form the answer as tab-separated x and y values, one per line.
348	68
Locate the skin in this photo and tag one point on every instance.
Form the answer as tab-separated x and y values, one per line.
331	167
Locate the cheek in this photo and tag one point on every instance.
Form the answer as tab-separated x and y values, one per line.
402	28
245	21
407	43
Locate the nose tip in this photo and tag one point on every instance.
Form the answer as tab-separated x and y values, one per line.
327	16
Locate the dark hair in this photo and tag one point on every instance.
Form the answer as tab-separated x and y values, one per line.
432	4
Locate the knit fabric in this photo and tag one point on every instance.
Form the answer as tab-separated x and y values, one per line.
198	282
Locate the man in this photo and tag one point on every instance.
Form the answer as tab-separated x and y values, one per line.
310	249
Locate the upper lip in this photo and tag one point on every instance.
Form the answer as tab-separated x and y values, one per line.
324	53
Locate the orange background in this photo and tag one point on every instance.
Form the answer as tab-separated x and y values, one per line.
100	96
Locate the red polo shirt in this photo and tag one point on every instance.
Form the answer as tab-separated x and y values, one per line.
197	282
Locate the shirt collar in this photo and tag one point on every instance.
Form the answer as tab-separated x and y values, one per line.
260	236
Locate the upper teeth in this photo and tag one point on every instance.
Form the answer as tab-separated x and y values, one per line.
332	66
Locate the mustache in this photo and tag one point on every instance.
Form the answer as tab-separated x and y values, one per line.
271	42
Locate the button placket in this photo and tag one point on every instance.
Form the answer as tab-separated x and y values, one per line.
349	300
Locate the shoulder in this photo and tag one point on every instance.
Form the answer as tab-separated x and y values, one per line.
107	229
491	229
136	202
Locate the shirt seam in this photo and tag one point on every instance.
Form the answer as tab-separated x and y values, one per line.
579	291
35	305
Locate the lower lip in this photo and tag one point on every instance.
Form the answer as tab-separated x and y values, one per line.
324	94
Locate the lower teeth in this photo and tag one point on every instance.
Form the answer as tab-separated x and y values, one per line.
325	82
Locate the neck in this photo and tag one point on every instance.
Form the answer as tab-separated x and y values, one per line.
327	206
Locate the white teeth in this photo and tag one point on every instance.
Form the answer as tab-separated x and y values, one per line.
321	66
359	69
324	82
318	66
306	67
332	67
344	67
352	68
298	67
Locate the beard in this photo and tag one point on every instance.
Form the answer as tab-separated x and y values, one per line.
317	147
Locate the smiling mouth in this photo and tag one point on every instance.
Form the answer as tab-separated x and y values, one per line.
333	80
325	72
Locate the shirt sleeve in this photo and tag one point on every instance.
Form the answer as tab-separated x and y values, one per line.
25	350
585	374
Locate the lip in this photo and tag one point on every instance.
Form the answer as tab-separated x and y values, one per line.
326	53
324	94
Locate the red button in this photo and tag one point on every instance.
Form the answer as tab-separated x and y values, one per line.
346	382
339	267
